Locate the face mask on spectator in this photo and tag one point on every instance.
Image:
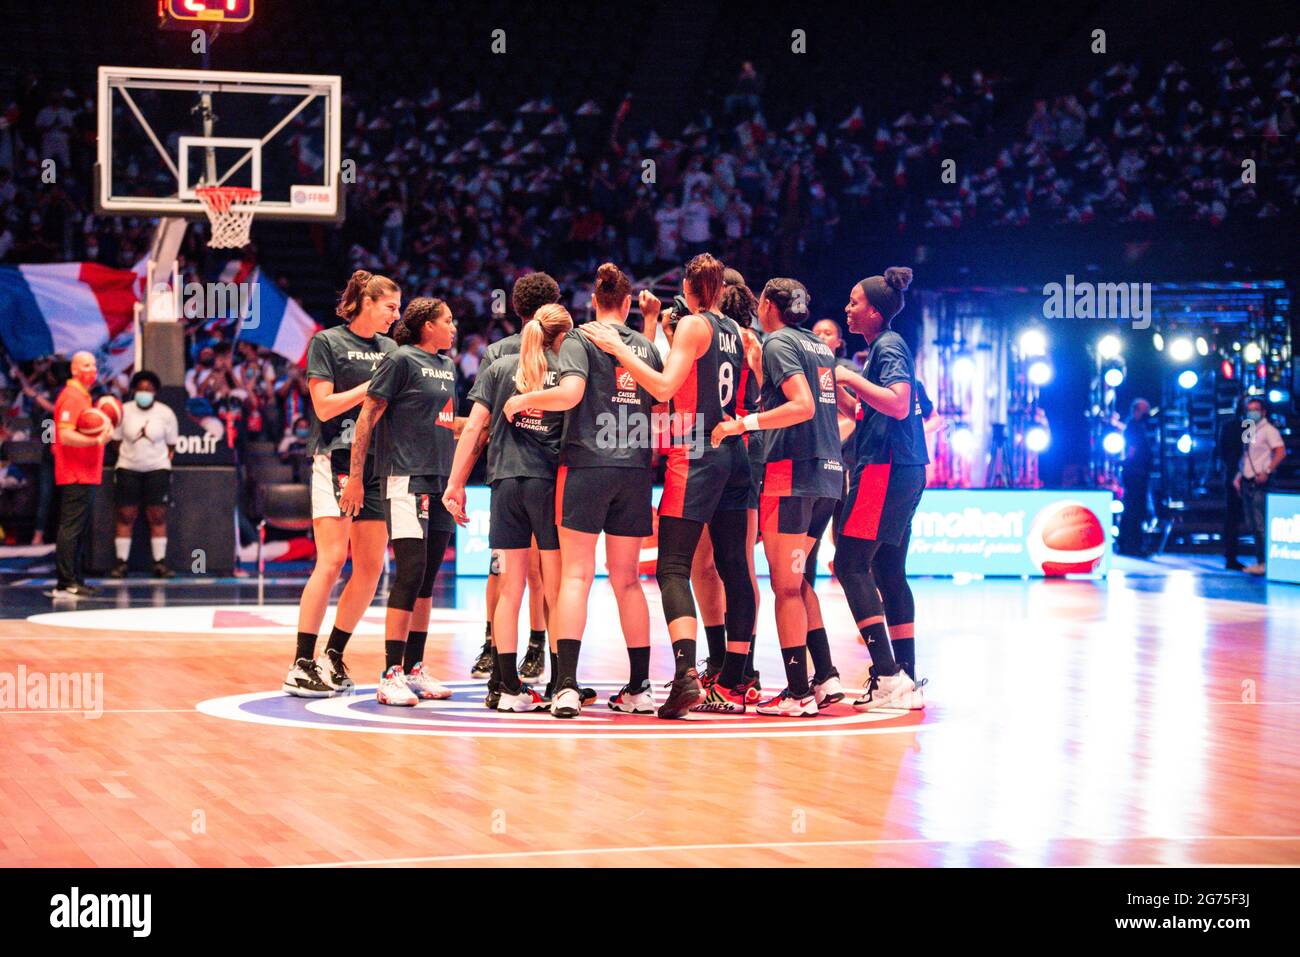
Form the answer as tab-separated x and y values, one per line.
302	433
144	399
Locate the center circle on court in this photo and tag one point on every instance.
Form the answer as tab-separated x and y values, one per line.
464	715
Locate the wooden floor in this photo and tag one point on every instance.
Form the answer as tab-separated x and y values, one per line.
1134	721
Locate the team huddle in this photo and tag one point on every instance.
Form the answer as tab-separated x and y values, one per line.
765	434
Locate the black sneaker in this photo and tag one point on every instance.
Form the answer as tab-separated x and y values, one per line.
75	590
304	681
118	570
534	661
160	570
588	695
335	673
493	696
482	667
683	692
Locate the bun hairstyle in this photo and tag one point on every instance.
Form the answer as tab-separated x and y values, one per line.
531	291
886	292
409	330
790	296
704	279
732	277
738	303
363	285
612	287
549	324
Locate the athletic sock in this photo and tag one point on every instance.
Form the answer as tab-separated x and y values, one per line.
820	649
122	548
567	654
487	632
159	547
716	636
508	672
795	659
749	659
638	666
536	637
339	640
905	654
306	646
555	665
882	656
414	650
683	656
733	668
393	653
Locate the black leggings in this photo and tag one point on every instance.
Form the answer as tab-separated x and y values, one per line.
678	538
418	562
889	569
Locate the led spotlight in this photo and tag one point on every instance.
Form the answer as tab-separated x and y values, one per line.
1202	347
1188	379
1116	506
1113	443
1033	343
1184	443
1108	347
1276	396
1040	372
963	368
1158	341
1180	350
1037	439
963	440
1114	377
1252	352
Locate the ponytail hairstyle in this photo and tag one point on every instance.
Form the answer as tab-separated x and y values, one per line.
790	297
704	279
738	303
612	287
409	330
363	285
548	325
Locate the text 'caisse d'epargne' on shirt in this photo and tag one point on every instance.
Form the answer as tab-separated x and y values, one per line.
788	352
612	426
881	438
417	434
529	445
341	356
712	388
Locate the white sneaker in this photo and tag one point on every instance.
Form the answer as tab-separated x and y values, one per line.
914	700
567	703
393	689
425	685
527	700
335	673
641	701
786	705
829	691
886	692
304	680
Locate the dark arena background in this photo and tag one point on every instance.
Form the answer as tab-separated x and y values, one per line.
1099	627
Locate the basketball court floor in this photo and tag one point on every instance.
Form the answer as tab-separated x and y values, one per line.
1147	719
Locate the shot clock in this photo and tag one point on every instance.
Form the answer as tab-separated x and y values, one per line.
231	15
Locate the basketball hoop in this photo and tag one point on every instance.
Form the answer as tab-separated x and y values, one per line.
230	211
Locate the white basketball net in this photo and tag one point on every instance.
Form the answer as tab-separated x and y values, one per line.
230	212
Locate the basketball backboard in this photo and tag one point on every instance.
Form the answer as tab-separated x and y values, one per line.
164	132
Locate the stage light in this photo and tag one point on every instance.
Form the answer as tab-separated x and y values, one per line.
1108	347
1116	506
1040	372
1252	352
1113	443
1158	341
1184	443
1188	379
1236	347
963	440
1033	343
963	368
1276	396
1225	369
1202	347
1037	439
1180	350
1114	377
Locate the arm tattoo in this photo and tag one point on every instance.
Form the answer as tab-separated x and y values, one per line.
371	411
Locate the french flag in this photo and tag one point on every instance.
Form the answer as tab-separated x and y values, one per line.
62	308
276	322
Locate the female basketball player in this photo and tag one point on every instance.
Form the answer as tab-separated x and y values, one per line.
522	460
803	478
411	405
884	491
603	485
340	362
704	484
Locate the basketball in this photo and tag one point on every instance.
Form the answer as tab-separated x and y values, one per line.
94	422
1066	539
111	406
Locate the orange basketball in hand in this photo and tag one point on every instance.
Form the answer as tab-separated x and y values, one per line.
93	423
111	407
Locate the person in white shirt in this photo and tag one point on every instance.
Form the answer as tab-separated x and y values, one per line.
1263	453
667	222
147	433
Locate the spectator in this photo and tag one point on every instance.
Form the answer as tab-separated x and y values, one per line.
147	435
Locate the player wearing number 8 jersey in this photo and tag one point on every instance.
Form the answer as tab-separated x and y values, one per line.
704	484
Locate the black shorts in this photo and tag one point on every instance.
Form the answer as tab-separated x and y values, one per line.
716	481
615	501
523	509
798	514
810	478
329	474
413	506
134	489
882	500
754	451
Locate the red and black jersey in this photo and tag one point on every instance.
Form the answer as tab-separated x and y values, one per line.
709	394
